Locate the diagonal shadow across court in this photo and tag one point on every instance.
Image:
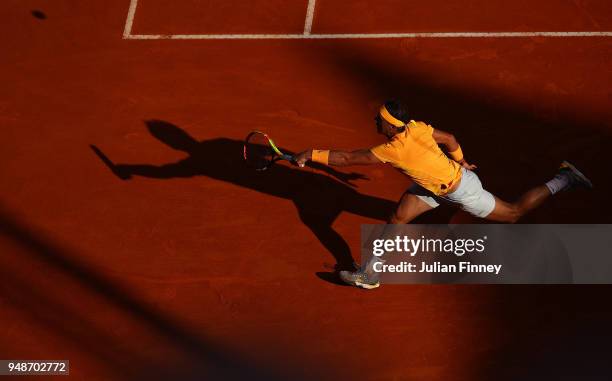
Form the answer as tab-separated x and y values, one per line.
200	357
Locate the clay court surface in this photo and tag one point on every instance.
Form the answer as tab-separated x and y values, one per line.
198	268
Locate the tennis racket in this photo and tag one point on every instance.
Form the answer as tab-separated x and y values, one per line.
260	152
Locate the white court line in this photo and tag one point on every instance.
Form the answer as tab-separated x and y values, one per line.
307	35
127	31
362	35
309	17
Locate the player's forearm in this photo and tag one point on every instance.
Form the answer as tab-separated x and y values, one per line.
331	157
452	144
454	150
336	157
339	158
455	153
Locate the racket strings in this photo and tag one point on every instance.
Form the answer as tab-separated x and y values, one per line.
257	151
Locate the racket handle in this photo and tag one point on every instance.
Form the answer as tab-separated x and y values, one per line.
288	157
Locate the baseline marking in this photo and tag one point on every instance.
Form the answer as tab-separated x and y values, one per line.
307	35
129	21
362	35
309	17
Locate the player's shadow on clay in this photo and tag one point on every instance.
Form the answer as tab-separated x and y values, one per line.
319	198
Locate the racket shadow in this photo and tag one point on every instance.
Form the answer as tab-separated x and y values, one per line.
319	198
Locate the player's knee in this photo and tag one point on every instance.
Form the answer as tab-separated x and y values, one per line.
514	213
398	218
513	219
401	216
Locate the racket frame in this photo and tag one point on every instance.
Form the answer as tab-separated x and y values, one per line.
279	153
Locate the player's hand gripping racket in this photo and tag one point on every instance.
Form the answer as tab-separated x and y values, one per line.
260	151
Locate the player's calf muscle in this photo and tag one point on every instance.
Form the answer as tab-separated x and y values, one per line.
504	212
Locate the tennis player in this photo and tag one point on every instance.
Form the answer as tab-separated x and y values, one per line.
415	148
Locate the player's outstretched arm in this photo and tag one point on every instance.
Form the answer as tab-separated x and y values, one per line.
337	158
452	147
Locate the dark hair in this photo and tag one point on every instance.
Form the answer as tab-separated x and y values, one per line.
397	110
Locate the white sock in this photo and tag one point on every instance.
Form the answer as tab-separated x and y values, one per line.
558	183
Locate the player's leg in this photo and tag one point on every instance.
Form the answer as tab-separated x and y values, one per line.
512	211
410	207
566	178
413	203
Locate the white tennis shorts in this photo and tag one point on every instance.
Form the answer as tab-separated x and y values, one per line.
470	195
